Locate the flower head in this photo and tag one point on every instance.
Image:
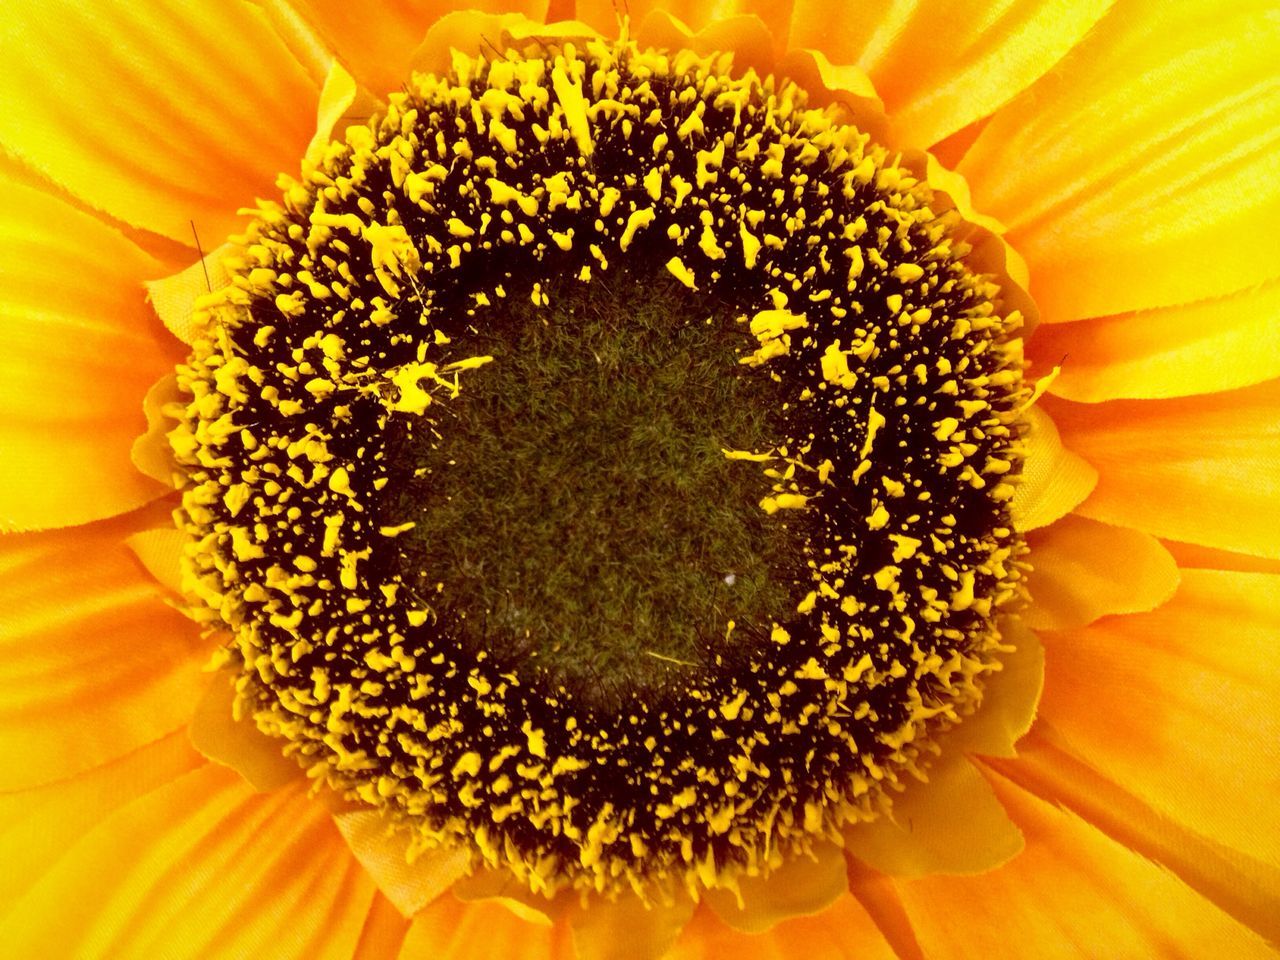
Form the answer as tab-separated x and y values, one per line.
622	483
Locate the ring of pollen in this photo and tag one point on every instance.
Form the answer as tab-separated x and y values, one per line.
354	301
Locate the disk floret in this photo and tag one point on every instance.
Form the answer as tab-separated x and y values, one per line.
363	310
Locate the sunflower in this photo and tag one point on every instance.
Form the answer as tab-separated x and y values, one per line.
700	480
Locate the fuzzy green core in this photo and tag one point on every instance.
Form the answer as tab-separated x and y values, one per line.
580	510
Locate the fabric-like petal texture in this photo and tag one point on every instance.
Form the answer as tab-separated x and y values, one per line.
158	112
1145	171
939	67
85	633
1072	893
1200	469
201	867
1178	704
71	309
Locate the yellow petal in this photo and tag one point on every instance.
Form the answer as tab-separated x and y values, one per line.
1010	697
80	353
625	929
200	867
846	86
158	112
940	67
383	932
1178	351
1054	478
801	887
1082	570
469	31
38	826
1179	704
159	550
1239	883
238	744
173	297
746	37
1193	555
830	935
450	929
1144	170
93	663
151	452
697	14
381	850
951	824
378	50
1200	469
1072	893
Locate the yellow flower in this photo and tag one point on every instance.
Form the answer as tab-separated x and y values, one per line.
1111	165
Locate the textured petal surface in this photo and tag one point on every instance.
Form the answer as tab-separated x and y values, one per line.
1241	884
383	933
844	931
1072	893
696	14
800	887
625	929
1178	351
450	929
1144	171
93	664
71	311
378	50
1009	698
238	744
1082	570
409	886
158	112
941	67
38	826
1179	704
952	824
1055	479
200	867
1202	469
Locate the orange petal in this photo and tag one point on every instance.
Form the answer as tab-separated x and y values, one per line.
878	895
450	929
38	826
238	744
200	867
951	824
801	887
1010	697
158	112
159	550
746	37
1082	570
697	14
1175	351
625	929
502	889
1240	884
1179	704
1201	469
842	931
94	663
1193	555
384	931
841	84
1144	170
72	314
941	67
1072	893
1055	479
378	48
382	850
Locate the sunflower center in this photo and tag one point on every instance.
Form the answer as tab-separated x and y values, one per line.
603	462
577	514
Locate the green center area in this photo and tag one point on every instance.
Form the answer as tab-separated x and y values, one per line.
577	512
